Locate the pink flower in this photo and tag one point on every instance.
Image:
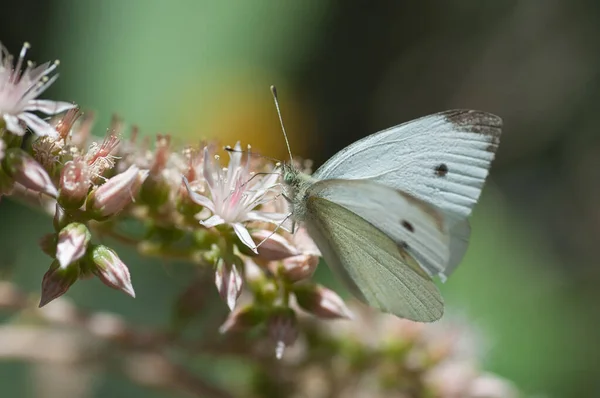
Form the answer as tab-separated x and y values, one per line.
19	90
234	195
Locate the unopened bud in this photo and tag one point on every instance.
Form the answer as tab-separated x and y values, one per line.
72	243
299	267
283	328
57	280
109	268
74	184
320	301
243	318
116	193
229	282
275	247
25	170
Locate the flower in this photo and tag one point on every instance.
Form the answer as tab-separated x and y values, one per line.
19	90
235	193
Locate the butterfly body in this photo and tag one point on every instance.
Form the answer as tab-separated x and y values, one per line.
390	211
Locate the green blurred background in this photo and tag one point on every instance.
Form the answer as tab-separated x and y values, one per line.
201	69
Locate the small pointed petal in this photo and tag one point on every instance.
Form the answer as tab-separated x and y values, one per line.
57	280
229	282
25	170
13	125
49	107
37	125
212	221
197	198
244	236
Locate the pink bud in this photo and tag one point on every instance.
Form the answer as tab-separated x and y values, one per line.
283	330
72	243
275	248
116	193
25	170
109	268
321	301
57	280
74	184
229	282
299	267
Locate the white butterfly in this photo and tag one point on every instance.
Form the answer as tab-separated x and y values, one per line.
390	211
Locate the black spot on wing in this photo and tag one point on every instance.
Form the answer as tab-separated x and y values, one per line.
408	226
441	170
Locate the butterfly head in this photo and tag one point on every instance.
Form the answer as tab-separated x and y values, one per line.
291	175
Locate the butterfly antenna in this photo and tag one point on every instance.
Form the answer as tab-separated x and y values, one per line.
287	142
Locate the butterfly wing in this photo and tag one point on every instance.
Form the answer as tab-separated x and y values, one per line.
375	267
417	227
441	159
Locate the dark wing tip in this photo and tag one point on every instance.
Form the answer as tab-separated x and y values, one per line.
477	122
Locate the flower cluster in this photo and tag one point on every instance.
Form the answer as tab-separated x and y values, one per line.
188	205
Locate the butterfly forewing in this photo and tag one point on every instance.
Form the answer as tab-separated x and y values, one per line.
374	267
441	159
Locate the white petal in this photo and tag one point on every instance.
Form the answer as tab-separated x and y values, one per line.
266	216
13	125
212	221
244	236
49	107
37	125
197	198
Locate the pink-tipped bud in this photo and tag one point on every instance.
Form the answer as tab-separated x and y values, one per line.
74	184
25	170
320	301
275	247
116	193
298	268
283	328
57	280
109	268
242	319
229	282
72	243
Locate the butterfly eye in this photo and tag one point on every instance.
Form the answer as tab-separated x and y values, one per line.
288	178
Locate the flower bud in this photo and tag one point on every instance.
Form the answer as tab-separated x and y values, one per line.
72	243
109	268
275	247
25	170
57	280
74	184
243	318
282	327
299	267
116	193
321	301
229	282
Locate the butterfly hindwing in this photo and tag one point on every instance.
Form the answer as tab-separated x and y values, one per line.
375	268
413	225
